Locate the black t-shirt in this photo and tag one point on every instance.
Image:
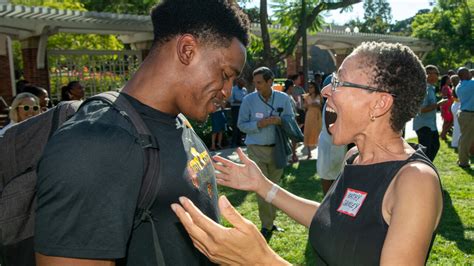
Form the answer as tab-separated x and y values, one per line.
349	228
89	180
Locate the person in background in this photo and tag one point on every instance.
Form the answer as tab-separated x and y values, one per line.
72	91
218	124
238	93
297	94
465	93
447	93
454	81
330	157
24	106
312	125
424	122
260	113
288	89
455	107
385	206
42	95
20	84
318	79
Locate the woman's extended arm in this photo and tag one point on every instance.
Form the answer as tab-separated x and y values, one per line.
247	176
413	206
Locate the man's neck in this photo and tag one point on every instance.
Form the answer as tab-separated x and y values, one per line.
267	95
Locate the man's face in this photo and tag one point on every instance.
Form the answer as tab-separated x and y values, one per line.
77	92
210	78
432	76
263	87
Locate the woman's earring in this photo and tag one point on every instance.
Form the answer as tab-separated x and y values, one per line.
372	118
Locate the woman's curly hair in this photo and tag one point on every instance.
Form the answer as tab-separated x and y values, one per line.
396	69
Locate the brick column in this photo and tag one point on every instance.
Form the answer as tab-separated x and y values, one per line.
29	50
5	79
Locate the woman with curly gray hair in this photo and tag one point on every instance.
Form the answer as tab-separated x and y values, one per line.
385	205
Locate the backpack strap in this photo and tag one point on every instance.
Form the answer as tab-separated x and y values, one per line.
149	186
55	120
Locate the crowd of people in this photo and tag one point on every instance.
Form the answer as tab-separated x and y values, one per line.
456	106
381	192
32	100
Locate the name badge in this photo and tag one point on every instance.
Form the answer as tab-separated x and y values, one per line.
259	115
352	201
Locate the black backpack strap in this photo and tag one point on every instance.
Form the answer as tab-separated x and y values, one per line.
149	186
55	121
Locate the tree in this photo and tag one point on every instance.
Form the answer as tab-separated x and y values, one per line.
281	43
449	26
403	27
138	7
377	17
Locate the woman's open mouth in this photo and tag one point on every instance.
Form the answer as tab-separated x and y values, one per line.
330	116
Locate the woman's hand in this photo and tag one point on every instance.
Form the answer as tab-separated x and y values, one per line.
246	176
243	244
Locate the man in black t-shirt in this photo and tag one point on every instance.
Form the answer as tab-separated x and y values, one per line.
90	174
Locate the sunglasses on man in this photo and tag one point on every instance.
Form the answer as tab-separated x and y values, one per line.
26	108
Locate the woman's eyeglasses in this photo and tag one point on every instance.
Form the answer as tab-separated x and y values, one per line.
335	83
26	108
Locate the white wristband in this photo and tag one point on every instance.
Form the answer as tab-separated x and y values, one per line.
272	193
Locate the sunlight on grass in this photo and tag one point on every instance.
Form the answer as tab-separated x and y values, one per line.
454	244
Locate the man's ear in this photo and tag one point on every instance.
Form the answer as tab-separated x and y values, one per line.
383	104
186	48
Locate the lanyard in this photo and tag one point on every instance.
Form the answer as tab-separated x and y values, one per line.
269	105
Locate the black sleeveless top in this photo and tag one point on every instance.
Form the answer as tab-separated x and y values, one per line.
348	228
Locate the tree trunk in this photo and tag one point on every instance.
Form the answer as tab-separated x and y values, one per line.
267	53
269	60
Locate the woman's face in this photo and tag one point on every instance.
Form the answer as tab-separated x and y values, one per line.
44	101
448	82
348	108
27	108
311	89
77	92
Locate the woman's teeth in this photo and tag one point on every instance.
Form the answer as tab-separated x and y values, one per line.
329	109
330	116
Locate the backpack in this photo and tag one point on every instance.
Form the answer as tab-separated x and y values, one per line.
15	184
20	150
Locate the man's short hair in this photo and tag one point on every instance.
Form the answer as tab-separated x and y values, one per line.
215	21
265	72
35	90
431	68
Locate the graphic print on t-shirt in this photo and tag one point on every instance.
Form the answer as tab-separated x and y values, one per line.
197	163
352	202
199	168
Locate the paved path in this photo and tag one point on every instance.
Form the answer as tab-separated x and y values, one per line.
409	133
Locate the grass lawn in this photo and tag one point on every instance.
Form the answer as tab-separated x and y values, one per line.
454	244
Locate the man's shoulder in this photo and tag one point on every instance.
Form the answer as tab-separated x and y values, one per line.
251	96
98	112
282	95
98	123
467	84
